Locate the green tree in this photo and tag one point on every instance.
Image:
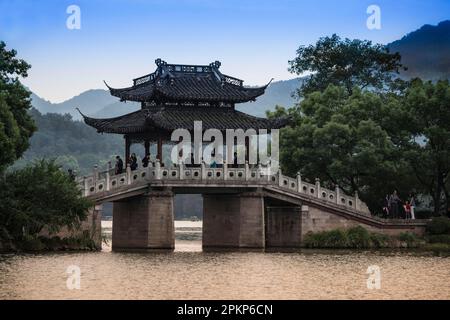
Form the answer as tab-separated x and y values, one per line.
350	140
427	105
40	195
16	125
347	63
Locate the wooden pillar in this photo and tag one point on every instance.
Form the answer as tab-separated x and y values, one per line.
247	147
127	149
147	147
159	155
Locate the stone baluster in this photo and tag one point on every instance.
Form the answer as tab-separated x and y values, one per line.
181	169
86	186
95	174
318	192
356	205
203	170
225	170
338	195
158	169
299	182
107	181
247	171
128	174
280	178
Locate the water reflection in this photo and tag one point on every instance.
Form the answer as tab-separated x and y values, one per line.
190	273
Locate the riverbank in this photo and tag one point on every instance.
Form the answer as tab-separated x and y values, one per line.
360	238
45	244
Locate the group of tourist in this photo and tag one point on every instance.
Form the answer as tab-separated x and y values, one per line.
132	161
396	208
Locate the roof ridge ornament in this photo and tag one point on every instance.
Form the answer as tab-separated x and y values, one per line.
159	62
216	64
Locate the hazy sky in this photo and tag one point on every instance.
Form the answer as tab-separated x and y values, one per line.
120	39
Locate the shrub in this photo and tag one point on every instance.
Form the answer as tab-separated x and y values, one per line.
438	225
379	240
326	239
439	238
410	238
358	237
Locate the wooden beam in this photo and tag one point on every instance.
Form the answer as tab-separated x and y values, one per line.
127	149
160	149
147	147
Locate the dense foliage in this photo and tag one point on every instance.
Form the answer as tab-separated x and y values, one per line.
72	143
426	108
347	63
40	195
358	129
16	125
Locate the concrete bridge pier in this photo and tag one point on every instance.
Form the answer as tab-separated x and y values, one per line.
144	222
283	226
233	220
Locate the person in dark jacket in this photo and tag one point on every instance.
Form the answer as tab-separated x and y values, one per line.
133	162
146	160
119	165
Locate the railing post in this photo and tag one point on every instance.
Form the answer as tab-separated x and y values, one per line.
280	178
225	170
356	205
86	186
338	194
107	180
95	174
128	174
181	169
318	188
203	170
299	182
158	169
247	171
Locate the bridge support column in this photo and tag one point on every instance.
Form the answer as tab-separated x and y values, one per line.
235	221
283	226
144	222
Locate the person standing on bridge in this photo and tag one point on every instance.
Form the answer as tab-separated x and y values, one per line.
394	201
146	160
133	162
119	165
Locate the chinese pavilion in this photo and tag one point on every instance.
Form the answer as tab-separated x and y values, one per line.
173	97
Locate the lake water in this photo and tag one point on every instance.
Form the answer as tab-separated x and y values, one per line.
190	273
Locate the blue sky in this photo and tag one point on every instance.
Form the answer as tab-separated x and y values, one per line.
254	39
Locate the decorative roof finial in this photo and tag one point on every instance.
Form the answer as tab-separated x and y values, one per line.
216	64
160	62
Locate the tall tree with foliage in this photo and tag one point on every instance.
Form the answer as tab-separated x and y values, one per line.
16	125
349	140
427	105
347	63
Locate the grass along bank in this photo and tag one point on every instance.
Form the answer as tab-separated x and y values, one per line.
436	239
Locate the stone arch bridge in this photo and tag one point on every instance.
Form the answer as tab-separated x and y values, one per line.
242	207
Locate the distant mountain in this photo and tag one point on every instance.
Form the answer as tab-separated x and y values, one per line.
426	51
278	93
88	102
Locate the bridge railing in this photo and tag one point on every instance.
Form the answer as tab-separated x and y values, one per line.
107	181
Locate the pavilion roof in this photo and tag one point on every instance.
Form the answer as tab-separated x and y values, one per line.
188	83
175	117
